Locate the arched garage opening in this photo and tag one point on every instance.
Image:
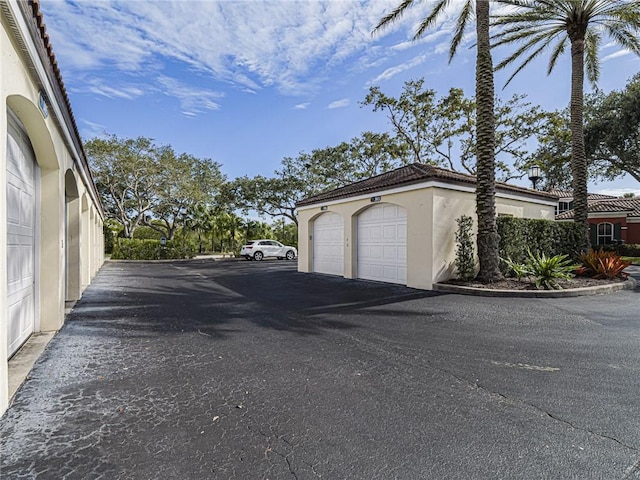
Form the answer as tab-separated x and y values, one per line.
86	227
22	235
72	237
328	244
382	244
49	300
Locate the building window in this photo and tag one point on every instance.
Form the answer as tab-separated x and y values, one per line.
564	207
605	233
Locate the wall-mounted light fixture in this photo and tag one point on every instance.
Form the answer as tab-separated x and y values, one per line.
376	199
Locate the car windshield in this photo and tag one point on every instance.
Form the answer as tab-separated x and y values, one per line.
250	242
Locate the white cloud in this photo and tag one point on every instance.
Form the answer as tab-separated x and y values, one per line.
97	87
301	106
393	71
193	100
291	46
91	130
619	192
338	104
618	54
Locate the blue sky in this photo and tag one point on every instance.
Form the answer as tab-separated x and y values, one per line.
248	83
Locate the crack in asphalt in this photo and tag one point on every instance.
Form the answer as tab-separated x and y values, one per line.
410	360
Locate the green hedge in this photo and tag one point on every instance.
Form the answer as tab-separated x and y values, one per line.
540	236
629	250
135	249
107	233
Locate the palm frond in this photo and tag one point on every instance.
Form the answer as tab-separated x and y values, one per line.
532	20
527	61
557	51
431	19
592	63
461	24
393	16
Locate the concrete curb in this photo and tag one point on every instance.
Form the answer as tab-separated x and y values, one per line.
630	284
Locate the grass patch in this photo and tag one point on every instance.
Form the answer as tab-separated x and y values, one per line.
633	260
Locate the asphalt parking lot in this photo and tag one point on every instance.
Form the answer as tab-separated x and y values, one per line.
251	370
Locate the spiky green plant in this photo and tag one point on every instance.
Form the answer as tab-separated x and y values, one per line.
548	270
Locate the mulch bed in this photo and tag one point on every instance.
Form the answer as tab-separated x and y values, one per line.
529	284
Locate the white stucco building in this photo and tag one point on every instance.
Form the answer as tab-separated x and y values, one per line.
399	227
51	242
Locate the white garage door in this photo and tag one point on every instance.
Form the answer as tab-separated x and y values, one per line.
21	215
382	244
328	244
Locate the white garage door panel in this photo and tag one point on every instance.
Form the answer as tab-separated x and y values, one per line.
21	212
382	244
328	241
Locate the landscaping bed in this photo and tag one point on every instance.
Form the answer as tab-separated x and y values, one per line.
524	284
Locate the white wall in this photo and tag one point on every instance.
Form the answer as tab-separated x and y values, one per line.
56	158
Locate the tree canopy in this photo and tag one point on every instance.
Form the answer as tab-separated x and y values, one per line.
141	183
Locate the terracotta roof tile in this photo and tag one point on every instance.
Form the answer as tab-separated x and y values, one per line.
408	175
615	205
590	196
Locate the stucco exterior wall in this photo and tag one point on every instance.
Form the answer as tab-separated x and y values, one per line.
431	225
633	231
63	268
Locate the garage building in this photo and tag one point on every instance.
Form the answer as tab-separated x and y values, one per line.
399	227
51	241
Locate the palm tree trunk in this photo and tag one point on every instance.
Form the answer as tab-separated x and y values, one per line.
578	154
488	238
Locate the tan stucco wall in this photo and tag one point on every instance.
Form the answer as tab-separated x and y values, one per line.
431	227
19	91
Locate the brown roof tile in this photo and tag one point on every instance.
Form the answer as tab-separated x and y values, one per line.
408	175
590	196
616	205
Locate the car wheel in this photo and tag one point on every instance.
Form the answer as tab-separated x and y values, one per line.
258	256
290	255
279	258
247	257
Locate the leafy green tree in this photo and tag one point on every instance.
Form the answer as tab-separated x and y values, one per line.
127	175
312	173
199	219
552	24
143	184
185	181
487	238
612	134
442	131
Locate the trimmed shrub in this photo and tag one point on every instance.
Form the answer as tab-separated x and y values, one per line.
465	257
146	233
108	239
544	237
629	250
135	249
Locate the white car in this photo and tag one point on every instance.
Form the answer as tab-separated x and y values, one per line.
259	249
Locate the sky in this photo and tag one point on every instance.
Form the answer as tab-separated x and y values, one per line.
249	82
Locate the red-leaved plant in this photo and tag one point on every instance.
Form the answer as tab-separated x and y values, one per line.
601	264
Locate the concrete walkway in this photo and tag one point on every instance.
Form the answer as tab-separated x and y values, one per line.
206	370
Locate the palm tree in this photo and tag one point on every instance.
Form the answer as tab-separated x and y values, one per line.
488	239
544	24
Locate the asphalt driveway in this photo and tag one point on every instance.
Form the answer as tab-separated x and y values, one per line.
251	370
